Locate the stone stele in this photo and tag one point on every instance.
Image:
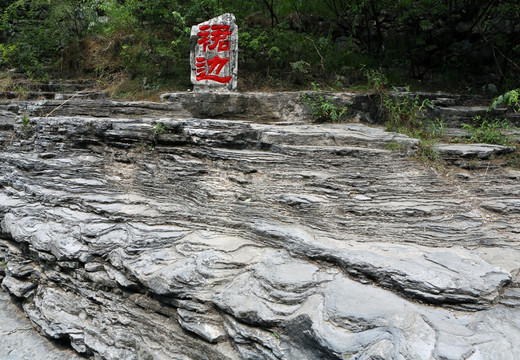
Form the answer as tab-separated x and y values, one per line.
214	54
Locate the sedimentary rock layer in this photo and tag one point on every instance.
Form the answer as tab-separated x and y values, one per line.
164	238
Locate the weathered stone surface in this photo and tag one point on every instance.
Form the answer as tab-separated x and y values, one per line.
479	151
218	239
249	106
259	106
19	341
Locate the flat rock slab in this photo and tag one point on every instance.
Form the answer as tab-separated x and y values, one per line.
18	339
479	151
261	106
335	135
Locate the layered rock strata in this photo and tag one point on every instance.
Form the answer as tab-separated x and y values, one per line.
166	238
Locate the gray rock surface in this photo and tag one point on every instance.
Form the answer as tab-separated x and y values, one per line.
18	339
187	238
480	151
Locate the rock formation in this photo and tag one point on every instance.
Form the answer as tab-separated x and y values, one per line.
146	234
214	54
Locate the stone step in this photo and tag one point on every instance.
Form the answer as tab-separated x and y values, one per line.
335	135
94	108
477	151
513	133
39	95
474	156
60	87
511	297
455	116
91	95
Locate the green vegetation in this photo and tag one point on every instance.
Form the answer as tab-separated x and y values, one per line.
400	111
396	146
407	114
159	128
510	99
404	112
322	106
427	154
137	46
25	122
489	131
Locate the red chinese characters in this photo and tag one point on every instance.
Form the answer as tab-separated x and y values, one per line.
213	38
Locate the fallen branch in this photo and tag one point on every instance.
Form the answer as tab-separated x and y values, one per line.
66	101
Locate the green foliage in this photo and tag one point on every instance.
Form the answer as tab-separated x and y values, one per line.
271	51
25	122
323	108
300	67
376	80
156	40
159	128
396	146
509	99
37	30
401	111
489	131
433	129
404	111
289	41
7	53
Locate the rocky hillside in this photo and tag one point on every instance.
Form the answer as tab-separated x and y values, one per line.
194	229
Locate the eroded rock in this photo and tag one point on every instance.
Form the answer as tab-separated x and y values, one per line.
225	239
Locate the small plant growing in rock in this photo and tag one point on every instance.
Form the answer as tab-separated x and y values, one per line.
27	126
395	146
376	80
322	107
403	112
159	128
25	122
435	128
427	154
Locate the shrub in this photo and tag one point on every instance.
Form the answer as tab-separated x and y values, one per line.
323	108
489	131
403	111
38	30
509	99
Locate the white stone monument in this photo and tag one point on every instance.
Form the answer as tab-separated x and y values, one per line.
214	54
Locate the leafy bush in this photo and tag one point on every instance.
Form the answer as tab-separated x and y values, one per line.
37	30
404	111
280	41
509	99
